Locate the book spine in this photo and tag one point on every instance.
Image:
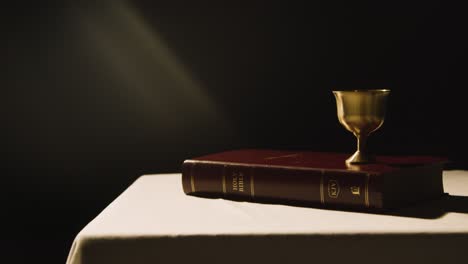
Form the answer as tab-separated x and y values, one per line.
262	183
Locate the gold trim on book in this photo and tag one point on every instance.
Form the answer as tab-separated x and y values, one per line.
322	195
192	178
224	179
252	187
366	196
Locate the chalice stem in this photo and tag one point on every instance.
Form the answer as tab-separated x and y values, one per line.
361	143
361	155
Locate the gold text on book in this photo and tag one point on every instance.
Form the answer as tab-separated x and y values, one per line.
355	190
333	189
238	181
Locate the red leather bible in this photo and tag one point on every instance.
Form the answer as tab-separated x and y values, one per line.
314	179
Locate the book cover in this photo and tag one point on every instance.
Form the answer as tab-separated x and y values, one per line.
314	179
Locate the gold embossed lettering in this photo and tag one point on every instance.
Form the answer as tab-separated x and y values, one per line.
333	189
234	181
355	190
240	182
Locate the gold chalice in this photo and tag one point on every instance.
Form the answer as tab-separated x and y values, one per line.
361	112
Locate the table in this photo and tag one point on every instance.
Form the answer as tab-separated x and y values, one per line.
153	221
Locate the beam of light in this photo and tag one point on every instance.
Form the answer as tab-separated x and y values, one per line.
149	75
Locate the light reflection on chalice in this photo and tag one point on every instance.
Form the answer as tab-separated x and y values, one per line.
361	112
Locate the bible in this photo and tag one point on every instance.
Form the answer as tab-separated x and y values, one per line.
316	179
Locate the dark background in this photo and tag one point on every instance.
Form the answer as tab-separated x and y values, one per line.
95	95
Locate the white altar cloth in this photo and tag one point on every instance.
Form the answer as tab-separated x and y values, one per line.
153	221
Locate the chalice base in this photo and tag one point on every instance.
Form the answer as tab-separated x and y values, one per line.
360	157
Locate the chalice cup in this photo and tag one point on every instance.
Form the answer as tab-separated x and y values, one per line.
361	112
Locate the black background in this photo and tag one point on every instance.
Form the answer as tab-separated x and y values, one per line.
95	95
